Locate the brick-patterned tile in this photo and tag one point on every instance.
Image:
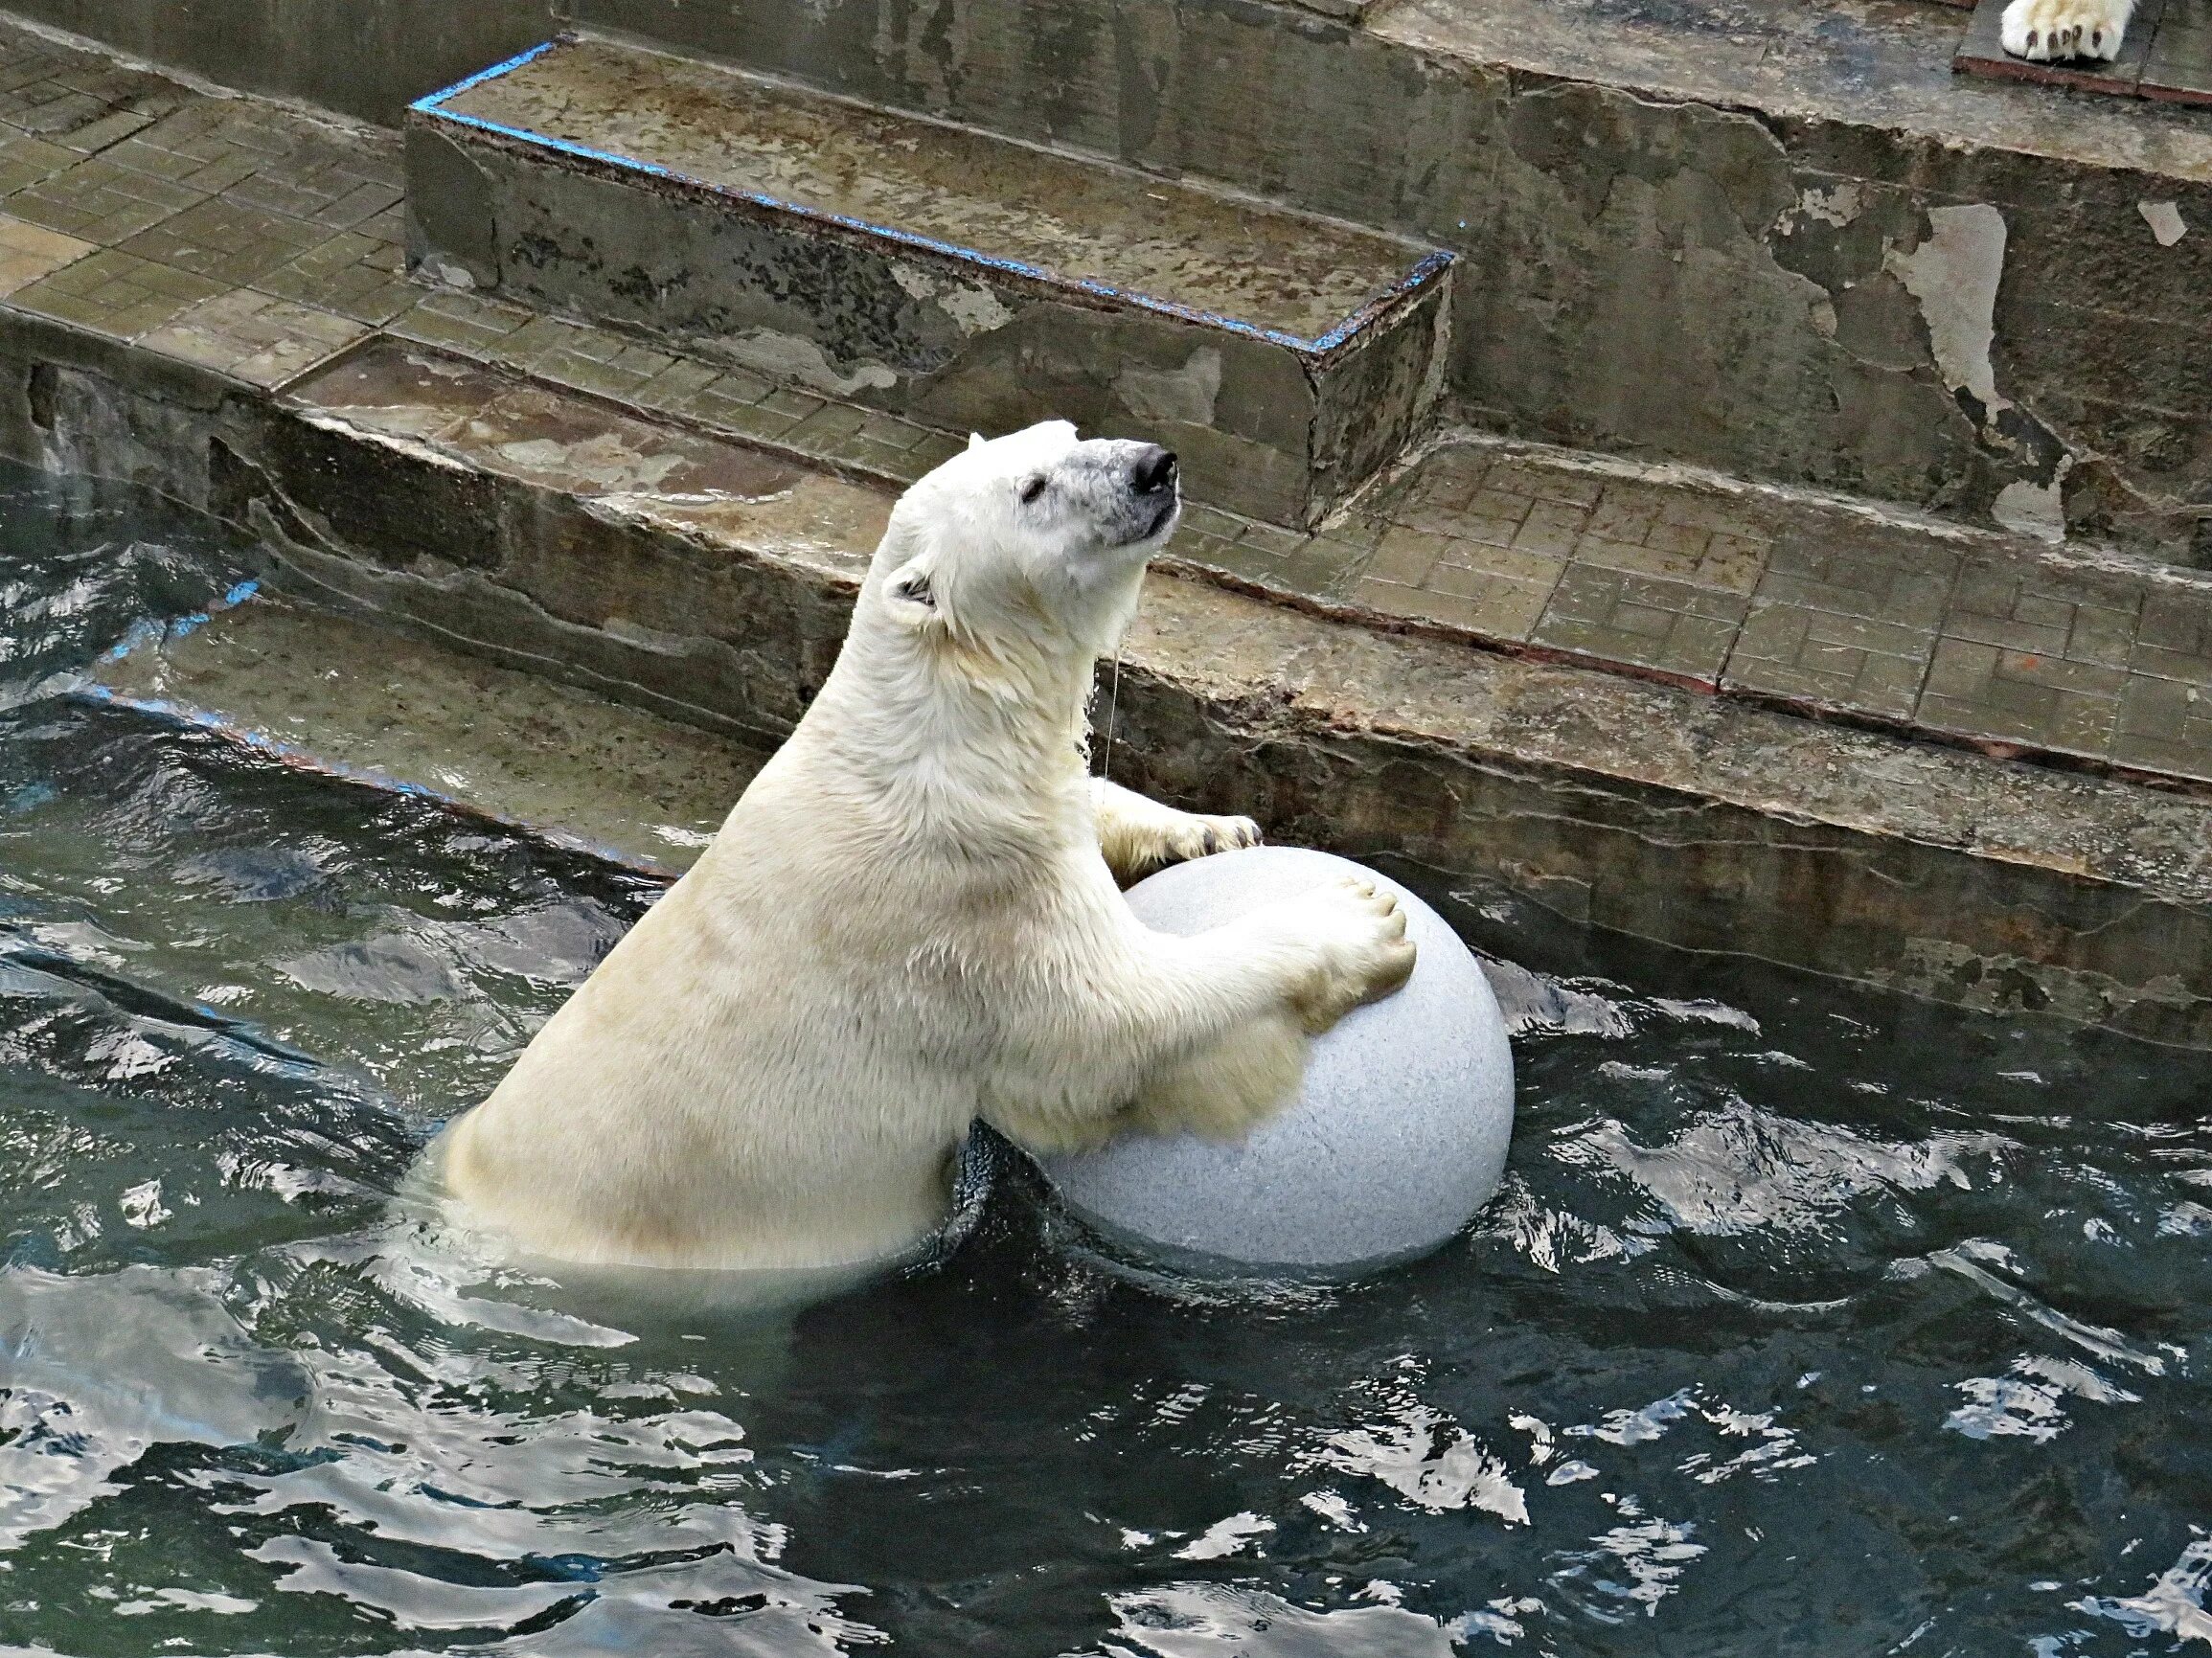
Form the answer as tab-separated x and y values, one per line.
1441	484
1829	661
2017	696
1285	560
471	324
1550	528
1884	577
78	100
2174	639
357	276
1642	620
2023	605
889	444
101	201
332	190
1557	484
1405	555
31	251
207	146
115	293
25	161
1627	534
1489	616
254	337
2166	725
1844	621
703	391
225	240
586	359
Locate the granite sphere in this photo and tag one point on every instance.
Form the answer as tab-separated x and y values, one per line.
1396	1137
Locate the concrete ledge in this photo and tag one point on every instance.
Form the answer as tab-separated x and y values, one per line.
915	266
1776	239
548	531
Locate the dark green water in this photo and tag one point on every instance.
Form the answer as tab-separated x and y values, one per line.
1808	1322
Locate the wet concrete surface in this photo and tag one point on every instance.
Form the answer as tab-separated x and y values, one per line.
366	704
684	538
1698	820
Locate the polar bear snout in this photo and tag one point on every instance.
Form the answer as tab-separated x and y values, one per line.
1148	479
1152	482
1154	470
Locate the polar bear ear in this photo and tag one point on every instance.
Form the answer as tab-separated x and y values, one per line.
975	440
912	595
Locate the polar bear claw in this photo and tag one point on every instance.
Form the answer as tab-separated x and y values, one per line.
1137	836
2054	31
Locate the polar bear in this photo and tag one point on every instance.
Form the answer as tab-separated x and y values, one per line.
911	920
2048	30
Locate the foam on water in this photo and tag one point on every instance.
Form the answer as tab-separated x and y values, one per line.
1808	1320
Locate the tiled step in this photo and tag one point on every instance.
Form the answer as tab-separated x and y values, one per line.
957	278
1815	603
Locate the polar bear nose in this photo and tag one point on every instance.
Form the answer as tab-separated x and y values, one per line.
1154	470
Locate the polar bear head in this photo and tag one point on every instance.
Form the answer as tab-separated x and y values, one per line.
1028	547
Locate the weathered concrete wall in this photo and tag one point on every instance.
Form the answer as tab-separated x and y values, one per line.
367	59
1636	806
1775	279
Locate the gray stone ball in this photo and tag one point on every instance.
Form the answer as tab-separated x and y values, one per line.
1396	1137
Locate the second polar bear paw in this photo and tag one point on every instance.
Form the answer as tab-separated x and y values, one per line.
1192	835
1139	836
2045	31
1357	931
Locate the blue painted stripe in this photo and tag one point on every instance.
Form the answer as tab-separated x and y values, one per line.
429	103
1430	266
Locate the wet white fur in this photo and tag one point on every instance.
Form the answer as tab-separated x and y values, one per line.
907	922
2044	30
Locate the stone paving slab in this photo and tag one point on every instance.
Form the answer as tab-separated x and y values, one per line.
258	244
1819	606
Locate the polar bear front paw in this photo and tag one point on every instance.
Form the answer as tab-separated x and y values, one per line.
2044	31
1192	835
1356	933
1138	835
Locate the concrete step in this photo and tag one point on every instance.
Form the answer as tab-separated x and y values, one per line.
337	695
558	499
1819	605
1775	237
923	268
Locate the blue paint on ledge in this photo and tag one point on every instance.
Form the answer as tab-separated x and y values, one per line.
1423	271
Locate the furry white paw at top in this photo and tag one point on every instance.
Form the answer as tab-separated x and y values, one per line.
2046	31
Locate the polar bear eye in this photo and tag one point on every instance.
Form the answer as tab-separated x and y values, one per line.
1032	487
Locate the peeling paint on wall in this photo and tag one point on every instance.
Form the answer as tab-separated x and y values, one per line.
976	309
1836	204
2037	510
2165	220
973	309
788	357
1953	275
